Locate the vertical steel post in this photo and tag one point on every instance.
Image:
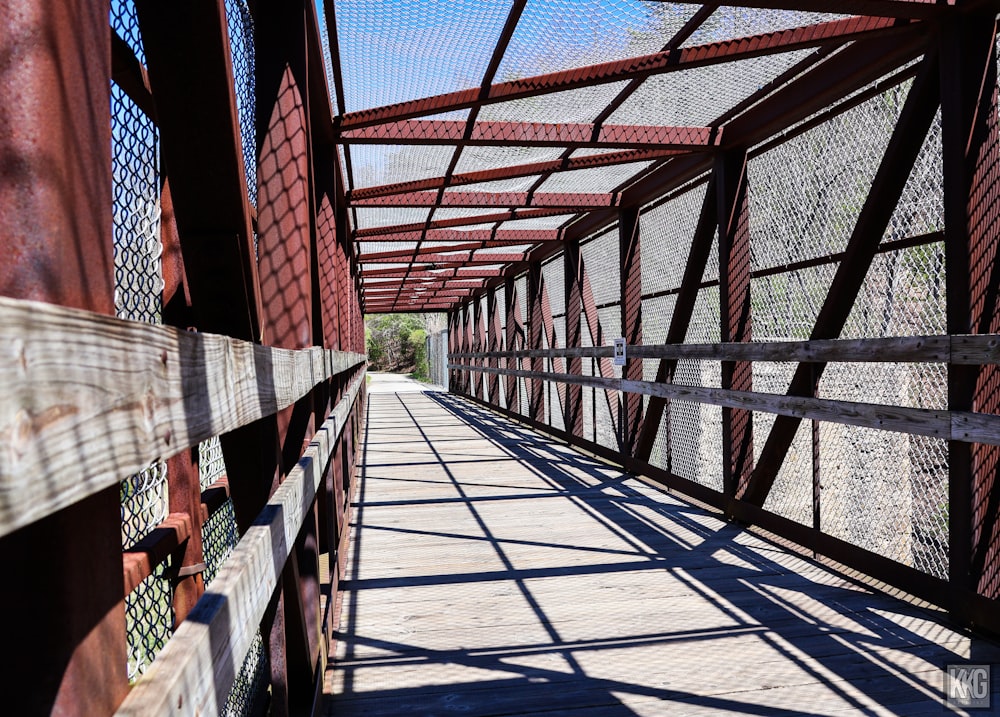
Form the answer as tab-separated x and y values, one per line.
65	632
536	403
735	313
630	269
513	324
971	146
574	336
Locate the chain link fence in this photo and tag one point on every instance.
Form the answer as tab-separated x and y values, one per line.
882	491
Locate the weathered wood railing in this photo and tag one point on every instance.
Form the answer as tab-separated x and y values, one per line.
956	427
951	425
89	400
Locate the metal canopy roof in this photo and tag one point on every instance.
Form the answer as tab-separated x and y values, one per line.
475	135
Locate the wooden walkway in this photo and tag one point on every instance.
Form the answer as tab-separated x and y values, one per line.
494	572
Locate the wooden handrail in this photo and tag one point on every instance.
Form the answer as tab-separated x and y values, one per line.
952	425
970	350
90	399
195	671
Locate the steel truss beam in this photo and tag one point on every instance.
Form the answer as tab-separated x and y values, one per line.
533	134
466	259
493	237
567	164
837	32
509	215
904	146
581	202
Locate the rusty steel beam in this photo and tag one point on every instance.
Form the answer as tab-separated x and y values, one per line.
911	9
470	248
680	319
630	273
897	162
836	32
64	632
455	273
509	215
499	49
579	202
467	259
573	409
536	400
446	284
497	236
533	134
735	314
971	154
565	164
493	345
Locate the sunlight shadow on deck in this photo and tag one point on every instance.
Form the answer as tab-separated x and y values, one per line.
497	572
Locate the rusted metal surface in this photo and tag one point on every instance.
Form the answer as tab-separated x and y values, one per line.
971	154
736	320
630	271
633	68
533	134
566	164
184	495
63	574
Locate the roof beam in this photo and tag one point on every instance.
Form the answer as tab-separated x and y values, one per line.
461	259
509	215
453	272
532	134
837	32
496	237
408	254
580	202
427	283
912	9
519	170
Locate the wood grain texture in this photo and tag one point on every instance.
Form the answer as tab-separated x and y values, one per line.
194	673
90	399
958	426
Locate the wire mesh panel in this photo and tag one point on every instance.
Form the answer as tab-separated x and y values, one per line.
138	296
241	46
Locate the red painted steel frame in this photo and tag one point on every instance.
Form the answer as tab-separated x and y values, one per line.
838	31
64	637
536	134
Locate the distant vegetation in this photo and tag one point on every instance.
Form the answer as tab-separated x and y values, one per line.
397	342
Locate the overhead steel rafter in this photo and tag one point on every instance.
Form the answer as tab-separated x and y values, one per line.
510	25
577	202
674	60
762	113
464	259
460	250
565	164
532	134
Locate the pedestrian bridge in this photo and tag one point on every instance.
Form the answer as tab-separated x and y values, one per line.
712	295
496	571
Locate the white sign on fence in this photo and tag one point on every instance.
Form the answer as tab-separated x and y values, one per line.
619	352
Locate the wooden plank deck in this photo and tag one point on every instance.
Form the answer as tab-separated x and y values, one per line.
495	572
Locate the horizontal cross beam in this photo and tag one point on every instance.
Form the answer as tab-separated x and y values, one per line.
563	200
516	171
533	134
509	215
460	259
836	32
496	236
408	254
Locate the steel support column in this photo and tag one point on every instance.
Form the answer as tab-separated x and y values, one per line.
536	402
514	331
573	410
972	195
735	313
64	636
630	268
